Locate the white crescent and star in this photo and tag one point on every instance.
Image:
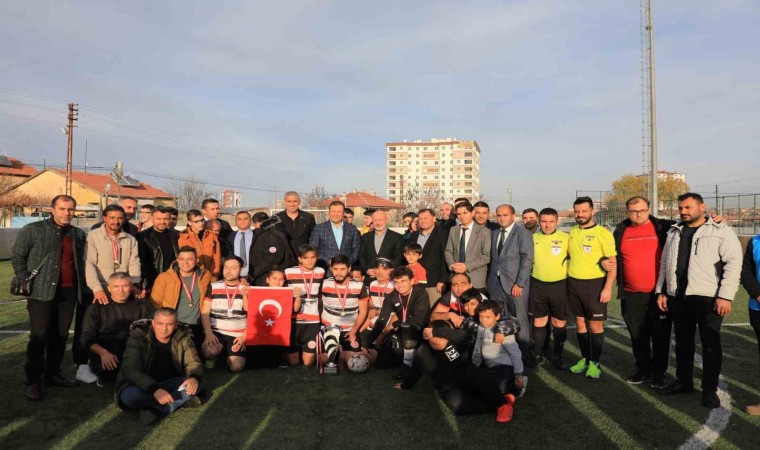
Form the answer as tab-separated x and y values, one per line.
270	322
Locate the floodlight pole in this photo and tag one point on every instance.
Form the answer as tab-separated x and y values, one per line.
652	115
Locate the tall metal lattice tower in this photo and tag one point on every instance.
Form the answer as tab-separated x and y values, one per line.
648	105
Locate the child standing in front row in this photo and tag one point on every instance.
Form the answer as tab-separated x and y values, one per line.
412	254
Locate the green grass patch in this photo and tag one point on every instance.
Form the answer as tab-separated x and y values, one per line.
297	408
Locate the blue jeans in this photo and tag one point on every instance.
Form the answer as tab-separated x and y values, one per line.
134	398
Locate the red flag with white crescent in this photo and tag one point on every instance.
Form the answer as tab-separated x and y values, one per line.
269	312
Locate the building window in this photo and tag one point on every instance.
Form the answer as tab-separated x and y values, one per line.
468	177
392	177
468	154
391	163
468	161
424	177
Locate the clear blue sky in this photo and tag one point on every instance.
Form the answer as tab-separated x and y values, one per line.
283	95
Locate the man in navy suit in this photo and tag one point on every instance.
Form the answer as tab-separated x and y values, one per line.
336	236
509	275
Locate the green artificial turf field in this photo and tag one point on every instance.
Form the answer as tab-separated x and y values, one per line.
297	408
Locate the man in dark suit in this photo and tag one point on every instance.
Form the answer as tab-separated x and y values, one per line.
482	213
468	248
433	242
210	208
511	264
296	224
240	241
334	237
380	243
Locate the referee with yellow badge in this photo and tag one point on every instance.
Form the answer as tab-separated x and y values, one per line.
589	286
548	282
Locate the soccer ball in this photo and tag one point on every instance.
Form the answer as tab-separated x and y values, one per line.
357	364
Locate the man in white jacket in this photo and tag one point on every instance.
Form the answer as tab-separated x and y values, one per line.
699	276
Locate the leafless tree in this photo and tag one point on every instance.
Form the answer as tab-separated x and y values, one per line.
417	197
316	198
189	193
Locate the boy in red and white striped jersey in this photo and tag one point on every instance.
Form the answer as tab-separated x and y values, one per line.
223	315
344	304
306	279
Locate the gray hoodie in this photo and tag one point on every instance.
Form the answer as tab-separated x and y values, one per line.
715	263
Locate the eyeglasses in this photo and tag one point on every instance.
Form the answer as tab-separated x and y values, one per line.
198	221
638	211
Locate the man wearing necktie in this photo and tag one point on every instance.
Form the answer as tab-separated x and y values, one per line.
468	247
241	240
511	264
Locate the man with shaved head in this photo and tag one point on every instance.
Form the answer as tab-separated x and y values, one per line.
380	243
509	277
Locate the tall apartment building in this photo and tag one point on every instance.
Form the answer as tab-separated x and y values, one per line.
448	165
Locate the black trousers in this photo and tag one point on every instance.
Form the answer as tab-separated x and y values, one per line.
754	320
49	324
116	347
475	391
650	332
78	351
689	313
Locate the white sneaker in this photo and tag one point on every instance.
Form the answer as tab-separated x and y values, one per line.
85	375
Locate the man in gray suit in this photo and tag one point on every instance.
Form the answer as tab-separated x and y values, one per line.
511	264
468	247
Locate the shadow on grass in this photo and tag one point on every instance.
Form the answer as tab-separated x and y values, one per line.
742	427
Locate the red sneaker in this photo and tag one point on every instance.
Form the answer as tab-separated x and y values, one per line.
504	413
510	398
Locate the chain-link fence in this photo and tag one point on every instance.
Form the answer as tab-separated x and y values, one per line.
741	211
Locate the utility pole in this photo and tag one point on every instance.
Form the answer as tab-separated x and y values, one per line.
717	202
118	172
652	112
73	116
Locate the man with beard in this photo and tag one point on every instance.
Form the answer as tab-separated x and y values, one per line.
223	316
158	247
639	240
530	220
481	214
699	276
405	313
380	243
589	287
129	205
109	250
56	249
344	304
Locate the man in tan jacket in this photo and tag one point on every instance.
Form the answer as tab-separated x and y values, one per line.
108	250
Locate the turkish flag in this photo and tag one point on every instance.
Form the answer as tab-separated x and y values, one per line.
269	312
